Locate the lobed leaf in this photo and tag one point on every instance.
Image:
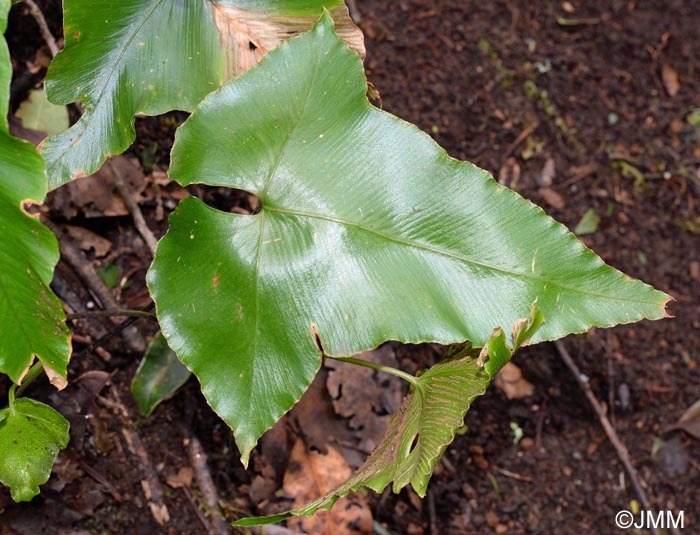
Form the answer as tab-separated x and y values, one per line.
426	422
152	56
368	231
158	377
31	435
31	316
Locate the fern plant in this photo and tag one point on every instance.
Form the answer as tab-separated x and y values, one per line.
367	231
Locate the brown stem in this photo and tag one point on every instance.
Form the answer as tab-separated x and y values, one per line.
43	27
620	448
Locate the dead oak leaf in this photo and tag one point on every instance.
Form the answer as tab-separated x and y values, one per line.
311	474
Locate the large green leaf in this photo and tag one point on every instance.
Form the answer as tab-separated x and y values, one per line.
427	421
31	435
31	316
152	56
368	231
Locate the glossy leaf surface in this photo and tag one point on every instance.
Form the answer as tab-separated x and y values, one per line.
31	315
31	435
158	377
426	422
368	231
152	56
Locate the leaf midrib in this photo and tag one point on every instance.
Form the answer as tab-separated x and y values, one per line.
449	254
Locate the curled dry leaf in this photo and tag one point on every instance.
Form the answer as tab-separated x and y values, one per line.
248	34
670	79
87	240
310	474
183	478
552	198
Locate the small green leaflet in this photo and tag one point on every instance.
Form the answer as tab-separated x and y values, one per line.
158	377
427	421
31	435
368	231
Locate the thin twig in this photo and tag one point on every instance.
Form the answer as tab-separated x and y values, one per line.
620	448
198	460
518	140
43	27
104	339
432	513
202	519
134	209
83	268
102	480
110	313
512	475
151	485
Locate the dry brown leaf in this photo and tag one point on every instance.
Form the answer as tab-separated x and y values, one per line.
366	397
311	474
509	173
86	240
96	195
248	35
552	198
690	421
546	176
511	381
318	421
183	478
670	78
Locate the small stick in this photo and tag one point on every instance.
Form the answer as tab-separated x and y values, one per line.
43	27
202	520
94	474
620	448
518	140
87	272
104	339
512	475
152	488
198	460
432	513
133	207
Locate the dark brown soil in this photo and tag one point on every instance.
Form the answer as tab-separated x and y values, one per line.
508	85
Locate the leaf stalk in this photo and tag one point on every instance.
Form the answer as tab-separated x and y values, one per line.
380	367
